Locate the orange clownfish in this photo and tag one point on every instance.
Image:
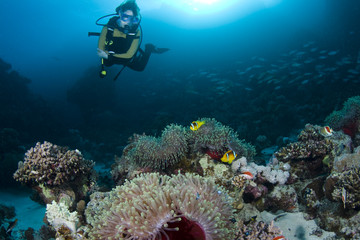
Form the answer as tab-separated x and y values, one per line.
196	125
247	175
326	131
229	156
279	238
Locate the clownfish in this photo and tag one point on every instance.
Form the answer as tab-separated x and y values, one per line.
326	131
229	156
196	125
279	238
247	175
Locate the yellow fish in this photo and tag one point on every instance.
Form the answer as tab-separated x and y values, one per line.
196	125
229	156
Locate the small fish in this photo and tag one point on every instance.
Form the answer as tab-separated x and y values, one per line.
229	156
11	226
343	196
247	175
197	196
279	238
326	131
196	125
279	216
332	53
252	219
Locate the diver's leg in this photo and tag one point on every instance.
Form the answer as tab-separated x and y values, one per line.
140	61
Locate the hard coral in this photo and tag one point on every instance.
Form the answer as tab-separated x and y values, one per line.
347	188
52	165
56	174
257	231
311	144
215	139
152	206
282	198
59	217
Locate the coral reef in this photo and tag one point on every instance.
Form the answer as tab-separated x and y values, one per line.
347	188
60	218
313	154
311	144
274	174
153	152
161	152
345	161
257	230
215	139
346	119
154	206
261	182
56	172
220	172
179	149
52	165
282	198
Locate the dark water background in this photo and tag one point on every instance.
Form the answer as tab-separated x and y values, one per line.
265	74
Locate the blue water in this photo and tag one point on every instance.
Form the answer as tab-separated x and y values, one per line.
266	72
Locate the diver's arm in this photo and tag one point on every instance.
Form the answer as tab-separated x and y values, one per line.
133	48
102	38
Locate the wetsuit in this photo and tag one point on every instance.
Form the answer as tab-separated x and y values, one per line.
122	48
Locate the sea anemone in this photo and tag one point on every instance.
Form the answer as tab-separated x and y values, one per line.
161	152
158	207
215	139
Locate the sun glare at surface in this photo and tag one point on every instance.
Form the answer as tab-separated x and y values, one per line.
202	13
201	6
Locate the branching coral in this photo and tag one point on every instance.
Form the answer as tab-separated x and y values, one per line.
257	231
56	173
215	139
311	144
347	188
158	207
52	165
314	154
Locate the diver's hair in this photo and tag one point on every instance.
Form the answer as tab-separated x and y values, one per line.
128	5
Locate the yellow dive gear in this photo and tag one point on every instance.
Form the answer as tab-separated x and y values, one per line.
103	71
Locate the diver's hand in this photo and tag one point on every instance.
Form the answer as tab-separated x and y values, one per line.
102	53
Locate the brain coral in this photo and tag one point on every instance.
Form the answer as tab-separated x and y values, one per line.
152	206
160	152
52	165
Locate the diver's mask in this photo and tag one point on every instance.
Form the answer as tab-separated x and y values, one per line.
130	23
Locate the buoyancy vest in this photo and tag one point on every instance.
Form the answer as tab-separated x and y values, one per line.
116	41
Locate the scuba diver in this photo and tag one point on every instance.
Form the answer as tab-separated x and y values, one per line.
120	40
